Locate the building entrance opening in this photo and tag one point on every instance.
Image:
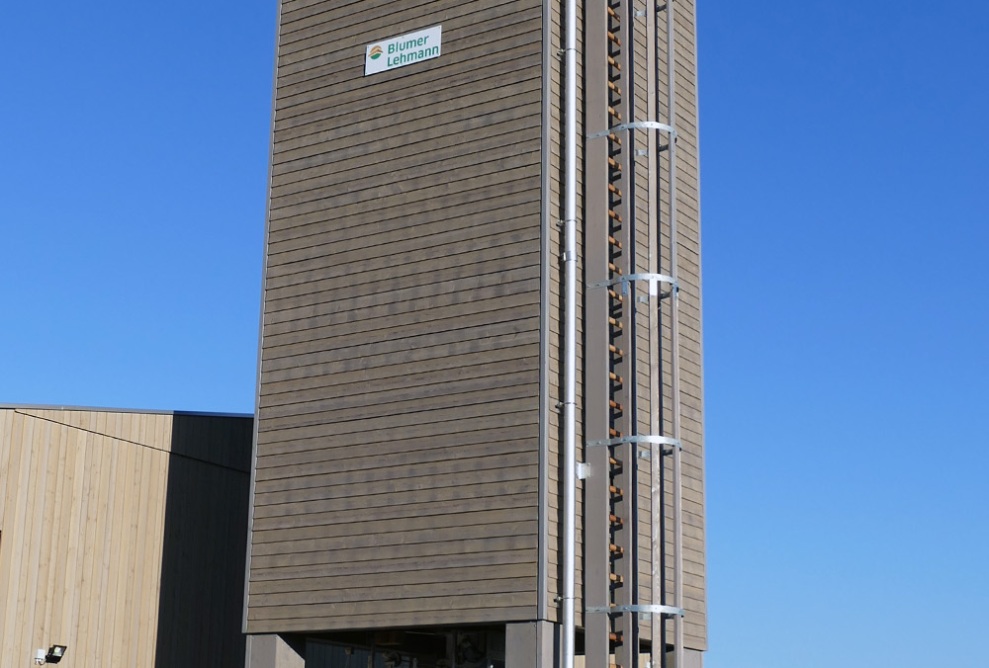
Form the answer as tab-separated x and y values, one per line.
458	648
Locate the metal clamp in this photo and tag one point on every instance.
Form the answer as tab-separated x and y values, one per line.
636	125
638	440
665	610
654	281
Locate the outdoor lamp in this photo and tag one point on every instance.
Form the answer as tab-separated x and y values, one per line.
55	654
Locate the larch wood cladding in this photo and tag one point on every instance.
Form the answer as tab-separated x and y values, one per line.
397	448
122	537
688	203
412	242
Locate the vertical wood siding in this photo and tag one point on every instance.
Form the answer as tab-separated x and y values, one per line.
397	447
121	536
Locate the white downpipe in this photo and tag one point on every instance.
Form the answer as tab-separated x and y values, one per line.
570	337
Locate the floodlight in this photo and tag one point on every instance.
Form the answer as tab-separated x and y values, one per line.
55	653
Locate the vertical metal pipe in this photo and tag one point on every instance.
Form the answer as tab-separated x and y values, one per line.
548	221
570	337
675	338
657	642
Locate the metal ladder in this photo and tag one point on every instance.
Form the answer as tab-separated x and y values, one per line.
631	432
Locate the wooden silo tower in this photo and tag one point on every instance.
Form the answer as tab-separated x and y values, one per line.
459	283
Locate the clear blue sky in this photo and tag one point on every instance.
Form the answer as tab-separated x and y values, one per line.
133	162
845	167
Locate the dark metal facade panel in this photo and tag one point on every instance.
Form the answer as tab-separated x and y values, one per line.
397	463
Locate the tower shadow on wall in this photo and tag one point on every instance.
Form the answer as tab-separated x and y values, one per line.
202	574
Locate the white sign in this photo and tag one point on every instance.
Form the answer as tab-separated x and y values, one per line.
404	50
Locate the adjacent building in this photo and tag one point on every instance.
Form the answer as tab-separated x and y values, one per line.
120	536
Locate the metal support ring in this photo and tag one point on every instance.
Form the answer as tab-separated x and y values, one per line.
636	125
665	610
638	440
654	281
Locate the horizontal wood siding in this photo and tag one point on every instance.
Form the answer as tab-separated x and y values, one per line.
121	536
690	316
397	447
695	621
691	370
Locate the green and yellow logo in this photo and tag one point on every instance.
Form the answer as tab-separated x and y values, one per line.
376	52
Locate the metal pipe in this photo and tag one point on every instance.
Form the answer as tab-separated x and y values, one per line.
548	216
570	337
654	243
675	340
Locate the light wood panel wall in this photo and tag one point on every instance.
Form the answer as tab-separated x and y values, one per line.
122	537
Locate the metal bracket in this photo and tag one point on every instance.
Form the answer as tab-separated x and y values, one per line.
665	610
636	125
560	405
638	440
654	281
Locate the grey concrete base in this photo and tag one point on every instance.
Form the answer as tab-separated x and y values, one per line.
691	659
530	645
274	651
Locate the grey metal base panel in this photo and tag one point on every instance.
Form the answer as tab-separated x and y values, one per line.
273	651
